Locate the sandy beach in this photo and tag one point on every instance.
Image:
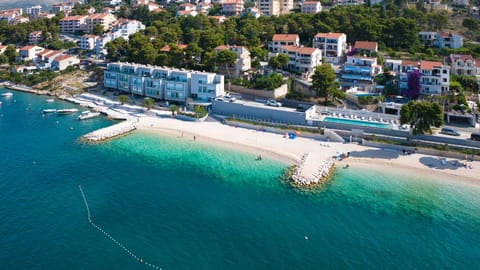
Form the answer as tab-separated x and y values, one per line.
290	151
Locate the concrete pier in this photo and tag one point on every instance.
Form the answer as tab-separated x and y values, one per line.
312	170
109	132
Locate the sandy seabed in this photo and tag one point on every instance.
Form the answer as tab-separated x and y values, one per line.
290	151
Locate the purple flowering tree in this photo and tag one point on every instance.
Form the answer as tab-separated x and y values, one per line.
413	84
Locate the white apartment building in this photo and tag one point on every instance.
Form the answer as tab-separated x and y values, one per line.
280	40
232	7
87	42
28	53
349	2
65	7
427	38
241	65
124	28
360	71
333	45
62	61
33	11
163	83
311	7
435	77
72	24
11	16
302	59
448	40
34	37
461	64
274	7
105	20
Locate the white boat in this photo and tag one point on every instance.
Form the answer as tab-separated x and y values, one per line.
7	94
88	115
66	111
50	100
49	111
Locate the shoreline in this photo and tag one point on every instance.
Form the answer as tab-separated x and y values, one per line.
290	152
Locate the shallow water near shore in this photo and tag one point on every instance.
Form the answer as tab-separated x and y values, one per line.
181	204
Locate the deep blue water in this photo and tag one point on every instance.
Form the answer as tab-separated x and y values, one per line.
183	205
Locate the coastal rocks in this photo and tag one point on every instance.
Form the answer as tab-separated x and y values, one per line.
320	175
109	132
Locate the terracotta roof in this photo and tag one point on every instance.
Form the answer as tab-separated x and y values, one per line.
409	63
285	37
166	48
26	48
464	57
477	63
301	50
329	35
74	18
366	45
42	53
226	47
429	65
2	47
62	57
444	34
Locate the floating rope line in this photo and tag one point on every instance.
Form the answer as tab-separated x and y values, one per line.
137	258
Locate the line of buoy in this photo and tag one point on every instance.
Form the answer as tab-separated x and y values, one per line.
137	258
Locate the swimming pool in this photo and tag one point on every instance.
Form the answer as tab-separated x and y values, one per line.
365	94
356	122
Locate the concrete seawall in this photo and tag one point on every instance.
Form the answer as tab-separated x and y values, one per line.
109	132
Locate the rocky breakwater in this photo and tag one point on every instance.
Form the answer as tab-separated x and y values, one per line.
311	170
109	132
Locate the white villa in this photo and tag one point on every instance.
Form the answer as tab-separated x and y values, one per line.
280	40
303	59
241	65
333	45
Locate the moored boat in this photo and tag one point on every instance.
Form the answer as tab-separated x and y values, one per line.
6	94
49	111
66	111
88	115
50	100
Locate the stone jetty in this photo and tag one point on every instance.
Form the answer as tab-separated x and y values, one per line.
109	132
311	170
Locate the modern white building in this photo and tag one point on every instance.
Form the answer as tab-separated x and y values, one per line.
163	83
232	7
435	77
62	61
448	40
461	64
349	2
311	7
28	53
303	59
241	65
333	45
34	37
360	71
274	7
280	40
87	42
72	24
33	11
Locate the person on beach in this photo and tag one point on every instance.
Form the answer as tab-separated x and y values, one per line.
194	138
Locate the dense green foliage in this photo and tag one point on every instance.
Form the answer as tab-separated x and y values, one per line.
323	81
393	27
421	116
269	82
123	99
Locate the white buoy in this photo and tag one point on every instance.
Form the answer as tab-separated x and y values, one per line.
306	237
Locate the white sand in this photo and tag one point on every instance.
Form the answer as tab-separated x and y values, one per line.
290	151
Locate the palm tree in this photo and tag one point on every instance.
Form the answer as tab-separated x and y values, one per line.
173	109
123	99
148	102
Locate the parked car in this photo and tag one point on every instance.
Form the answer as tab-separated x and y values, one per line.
449	131
229	98
274	103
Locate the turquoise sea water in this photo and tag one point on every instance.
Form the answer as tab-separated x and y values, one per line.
183	205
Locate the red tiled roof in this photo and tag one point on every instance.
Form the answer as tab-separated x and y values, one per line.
74	18
477	63
366	45
62	57
329	35
429	65
44	52
285	37
166	48
26	48
301	50
226	47
409	63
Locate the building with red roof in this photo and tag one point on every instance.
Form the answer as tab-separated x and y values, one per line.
280	40
333	45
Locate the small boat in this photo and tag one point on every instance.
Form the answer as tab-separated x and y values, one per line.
50	100
49	111
66	111
87	115
7	94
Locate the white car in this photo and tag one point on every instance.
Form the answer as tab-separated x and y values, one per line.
274	103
